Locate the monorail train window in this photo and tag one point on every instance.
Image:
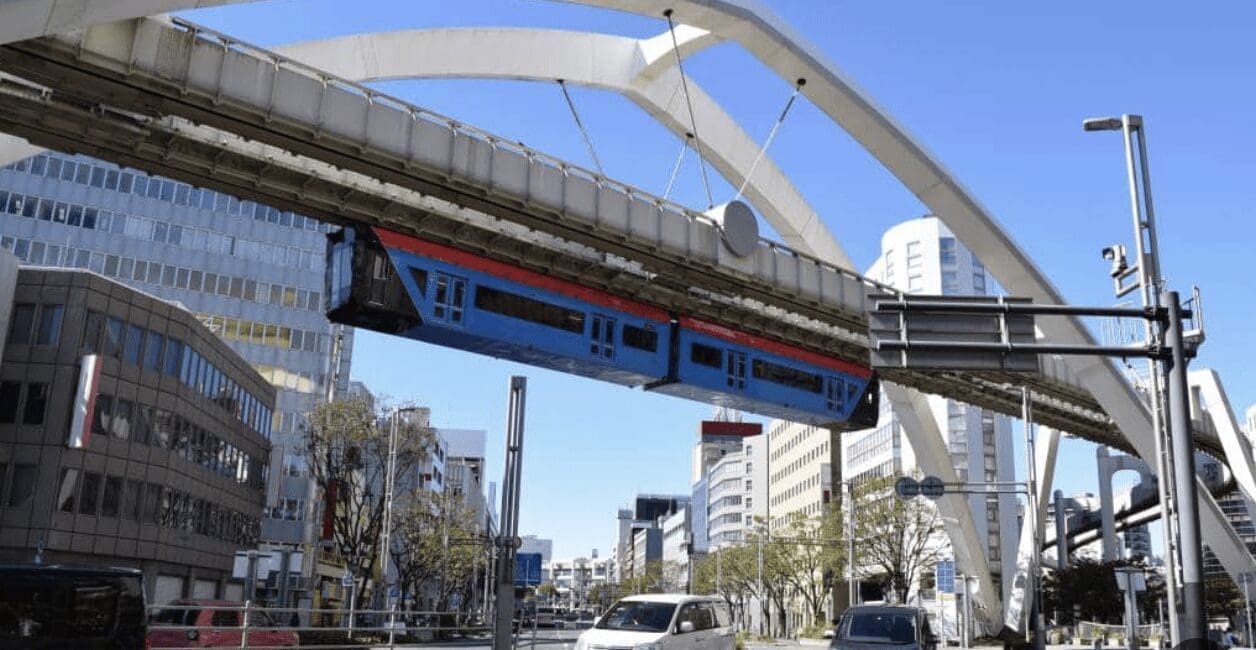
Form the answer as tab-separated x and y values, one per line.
706	355
420	280
786	376
380	266
641	338
529	309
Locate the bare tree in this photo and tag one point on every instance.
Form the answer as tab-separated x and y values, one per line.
348	455
899	537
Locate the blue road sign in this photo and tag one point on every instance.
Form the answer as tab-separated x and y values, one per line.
527	569
944	574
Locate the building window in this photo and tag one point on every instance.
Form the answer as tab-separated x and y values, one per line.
22	488
67	489
946	251
23	320
134	342
979	283
90	498
36	403
915	283
10	393
152	352
49	324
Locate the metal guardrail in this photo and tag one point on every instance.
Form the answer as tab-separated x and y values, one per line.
263	628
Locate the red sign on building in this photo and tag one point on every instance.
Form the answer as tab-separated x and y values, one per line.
717	428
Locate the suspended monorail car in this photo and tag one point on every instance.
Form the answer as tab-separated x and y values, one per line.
404	285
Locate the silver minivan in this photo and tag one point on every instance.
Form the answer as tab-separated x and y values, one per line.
662	622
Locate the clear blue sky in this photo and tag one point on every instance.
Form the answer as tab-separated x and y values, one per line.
996	91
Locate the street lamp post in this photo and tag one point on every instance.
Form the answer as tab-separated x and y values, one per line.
1247	608
1174	484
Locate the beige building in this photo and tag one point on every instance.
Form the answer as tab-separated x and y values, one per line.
798	471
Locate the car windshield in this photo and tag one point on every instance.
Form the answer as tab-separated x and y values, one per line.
638	616
56	607
880	627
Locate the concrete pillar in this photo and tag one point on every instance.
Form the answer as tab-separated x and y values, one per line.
1061	533
1107	517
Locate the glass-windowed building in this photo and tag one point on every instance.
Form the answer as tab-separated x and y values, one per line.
251	273
130	435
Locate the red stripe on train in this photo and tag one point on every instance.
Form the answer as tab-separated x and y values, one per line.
515	274
775	347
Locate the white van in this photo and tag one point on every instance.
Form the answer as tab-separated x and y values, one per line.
662	622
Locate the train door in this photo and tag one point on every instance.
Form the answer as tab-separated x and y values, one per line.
450	299
834	394
735	365
602	336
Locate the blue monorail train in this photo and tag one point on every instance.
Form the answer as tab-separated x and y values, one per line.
403	285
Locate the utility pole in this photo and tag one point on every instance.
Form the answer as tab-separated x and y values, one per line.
503	635
1193	629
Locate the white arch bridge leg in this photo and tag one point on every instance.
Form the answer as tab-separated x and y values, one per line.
921	428
1020	599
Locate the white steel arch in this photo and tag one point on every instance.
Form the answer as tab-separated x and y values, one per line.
643	72
766	37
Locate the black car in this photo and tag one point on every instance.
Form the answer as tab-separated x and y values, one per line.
85	608
866	627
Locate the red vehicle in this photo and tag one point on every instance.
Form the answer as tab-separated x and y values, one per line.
214	623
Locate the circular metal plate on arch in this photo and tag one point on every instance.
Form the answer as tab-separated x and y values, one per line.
738	226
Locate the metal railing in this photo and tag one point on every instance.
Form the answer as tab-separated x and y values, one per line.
261	627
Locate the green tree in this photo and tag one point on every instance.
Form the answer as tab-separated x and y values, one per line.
1089	589
547	591
437	544
812	556
348	456
899	537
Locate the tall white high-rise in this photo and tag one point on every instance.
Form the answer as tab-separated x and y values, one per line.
923	256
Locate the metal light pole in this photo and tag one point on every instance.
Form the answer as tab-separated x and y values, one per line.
503	635
386	537
1247	608
1033	589
1151	283
852	583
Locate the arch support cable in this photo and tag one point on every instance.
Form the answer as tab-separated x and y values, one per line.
693	125
771	135
588	142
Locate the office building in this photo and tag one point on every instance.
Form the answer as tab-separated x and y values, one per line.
130	435
575	577
252	274
646	514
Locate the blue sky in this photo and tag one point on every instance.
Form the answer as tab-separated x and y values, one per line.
997	91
